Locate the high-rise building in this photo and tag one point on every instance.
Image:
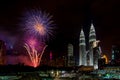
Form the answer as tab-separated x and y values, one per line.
92	38
71	59
82	49
96	54
91	56
116	54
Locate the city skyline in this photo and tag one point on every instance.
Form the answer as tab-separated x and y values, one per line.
69	17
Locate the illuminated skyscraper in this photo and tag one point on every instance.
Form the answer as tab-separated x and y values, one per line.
92	38
91	56
71	60
82	49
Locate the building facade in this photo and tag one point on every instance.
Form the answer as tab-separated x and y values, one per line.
116	54
71	58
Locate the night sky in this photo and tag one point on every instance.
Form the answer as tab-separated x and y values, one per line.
69	16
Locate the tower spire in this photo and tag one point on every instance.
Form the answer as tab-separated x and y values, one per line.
82	38
92	35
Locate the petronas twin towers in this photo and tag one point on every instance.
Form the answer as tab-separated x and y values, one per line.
86	57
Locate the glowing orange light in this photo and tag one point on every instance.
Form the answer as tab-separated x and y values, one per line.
106	59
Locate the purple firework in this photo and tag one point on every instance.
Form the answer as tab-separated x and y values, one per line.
38	24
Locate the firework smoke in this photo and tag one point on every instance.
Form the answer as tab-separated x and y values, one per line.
8	39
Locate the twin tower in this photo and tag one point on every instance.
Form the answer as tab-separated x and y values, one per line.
89	57
86	57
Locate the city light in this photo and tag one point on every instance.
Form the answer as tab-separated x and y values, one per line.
106	59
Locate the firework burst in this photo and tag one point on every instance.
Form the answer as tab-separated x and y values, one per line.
38	24
34	55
